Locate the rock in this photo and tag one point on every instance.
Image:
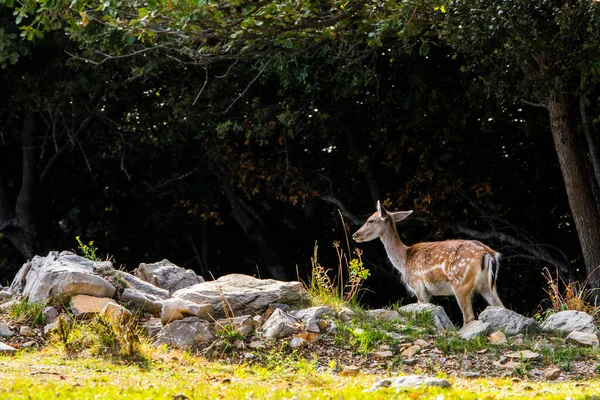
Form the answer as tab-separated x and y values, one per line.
152	327
440	319
167	275
388	315
474	329
249	356
116	313
5	331
151	303
6	349
497	338
508	321
7	306
525	355
350	370
83	306
50	313
282	307
394	335
58	276
174	309
242	324
5	294
241	294
297	343
25	331
383	355
410	351
552	374
132	282
185	333
310	317
471	374
280	324
583	339
256	345
508	364
410	382
50	327
410	361
29	344
421	343
345	314
565	322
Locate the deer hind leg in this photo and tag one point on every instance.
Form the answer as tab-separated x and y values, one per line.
463	295
491	297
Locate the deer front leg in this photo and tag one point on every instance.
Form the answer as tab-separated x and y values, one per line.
463	295
423	295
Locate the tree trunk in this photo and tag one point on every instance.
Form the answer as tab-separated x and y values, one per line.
18	225
578	179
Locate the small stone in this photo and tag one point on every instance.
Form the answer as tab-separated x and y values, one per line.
383	354
297	343
249	356
345	314
350	370
523	355
583	339
323	324
25	330
50	327
508	365
410	361
422	343
471	374
411	351
257	320
497	337
31	343
552	373
410	382
256	345
6	349
51	313
5	331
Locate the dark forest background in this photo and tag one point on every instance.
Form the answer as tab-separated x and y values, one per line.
225	137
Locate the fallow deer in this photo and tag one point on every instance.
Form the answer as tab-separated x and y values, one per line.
450	267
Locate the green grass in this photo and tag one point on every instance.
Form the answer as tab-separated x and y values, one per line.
30	313
47	375
365	332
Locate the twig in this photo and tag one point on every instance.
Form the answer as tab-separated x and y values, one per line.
247	87
203	86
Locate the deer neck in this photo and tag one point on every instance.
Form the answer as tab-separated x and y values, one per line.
395	249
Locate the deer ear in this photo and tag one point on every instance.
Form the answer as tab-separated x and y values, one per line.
382	211
400	215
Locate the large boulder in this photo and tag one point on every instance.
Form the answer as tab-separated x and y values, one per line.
242	294
510	322
58	276
167	275
570	320
176	309
185	333
142	299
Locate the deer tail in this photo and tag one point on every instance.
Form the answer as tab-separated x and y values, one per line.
491	261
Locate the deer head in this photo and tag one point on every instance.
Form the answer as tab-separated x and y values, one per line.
378	223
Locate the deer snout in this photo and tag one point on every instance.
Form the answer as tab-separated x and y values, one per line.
357	237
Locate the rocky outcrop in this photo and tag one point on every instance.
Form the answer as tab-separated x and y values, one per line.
242	294
58	276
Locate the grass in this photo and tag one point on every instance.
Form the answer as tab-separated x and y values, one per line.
30	313
47	375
